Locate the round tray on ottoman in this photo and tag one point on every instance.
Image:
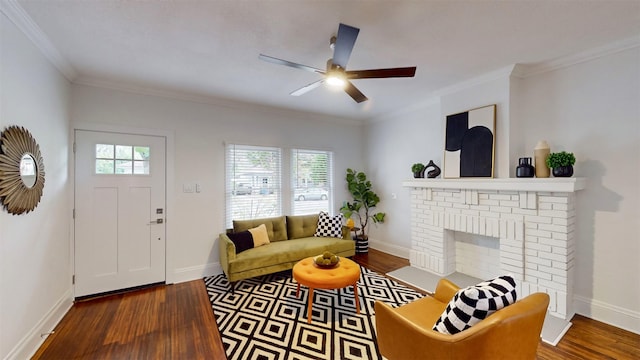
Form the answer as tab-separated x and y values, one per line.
323	266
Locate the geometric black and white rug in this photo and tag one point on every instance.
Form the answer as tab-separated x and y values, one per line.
264	320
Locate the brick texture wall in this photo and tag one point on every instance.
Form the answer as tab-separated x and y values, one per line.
535	231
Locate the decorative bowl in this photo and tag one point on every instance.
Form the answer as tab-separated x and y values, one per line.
323	266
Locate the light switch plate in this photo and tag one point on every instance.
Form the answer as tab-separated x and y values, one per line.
188	188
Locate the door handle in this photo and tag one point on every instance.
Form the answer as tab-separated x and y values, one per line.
154	222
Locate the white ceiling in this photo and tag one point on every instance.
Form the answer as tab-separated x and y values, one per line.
210	48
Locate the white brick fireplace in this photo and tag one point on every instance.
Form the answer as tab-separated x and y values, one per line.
531	220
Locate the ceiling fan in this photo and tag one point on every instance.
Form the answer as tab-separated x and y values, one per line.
336	73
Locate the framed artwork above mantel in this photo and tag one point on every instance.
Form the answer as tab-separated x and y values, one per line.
469	145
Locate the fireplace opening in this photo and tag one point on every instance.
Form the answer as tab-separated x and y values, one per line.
475	255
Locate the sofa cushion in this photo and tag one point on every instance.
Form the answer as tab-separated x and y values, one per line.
301	226
260	236
330	226
243	240
276	227
472	304
291	251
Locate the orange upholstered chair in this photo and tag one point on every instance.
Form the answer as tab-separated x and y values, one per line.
512	332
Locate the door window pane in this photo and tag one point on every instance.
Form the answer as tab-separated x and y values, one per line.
124	152
124	167
119	159
104	166
141	153
104	151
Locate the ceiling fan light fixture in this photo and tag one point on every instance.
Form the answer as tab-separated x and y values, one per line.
336	81
336	78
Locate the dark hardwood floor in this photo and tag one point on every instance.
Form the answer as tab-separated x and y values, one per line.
176	322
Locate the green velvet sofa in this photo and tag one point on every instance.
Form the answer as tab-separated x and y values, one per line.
291	240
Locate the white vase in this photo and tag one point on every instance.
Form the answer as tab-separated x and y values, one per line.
541	152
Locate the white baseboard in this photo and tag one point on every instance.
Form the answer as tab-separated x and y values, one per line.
194	273
31	342
395	250
610	314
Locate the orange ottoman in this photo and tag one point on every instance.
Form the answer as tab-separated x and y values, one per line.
347	273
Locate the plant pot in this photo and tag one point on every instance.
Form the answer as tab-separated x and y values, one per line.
419	174
362	245
563	171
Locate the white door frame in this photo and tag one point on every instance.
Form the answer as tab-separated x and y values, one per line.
169	186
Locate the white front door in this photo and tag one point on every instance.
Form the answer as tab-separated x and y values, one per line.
119	211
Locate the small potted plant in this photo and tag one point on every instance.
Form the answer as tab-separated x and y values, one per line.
418	170
561	163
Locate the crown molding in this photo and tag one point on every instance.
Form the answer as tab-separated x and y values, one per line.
520	71
434	97
527	70
32	31
502	73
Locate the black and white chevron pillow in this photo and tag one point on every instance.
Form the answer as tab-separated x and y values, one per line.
472	304
329	226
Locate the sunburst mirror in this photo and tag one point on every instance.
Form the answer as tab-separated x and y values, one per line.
21	170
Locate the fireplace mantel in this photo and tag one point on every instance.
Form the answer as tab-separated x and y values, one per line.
507	184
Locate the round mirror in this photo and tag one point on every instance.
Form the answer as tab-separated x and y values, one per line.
21	170
28	170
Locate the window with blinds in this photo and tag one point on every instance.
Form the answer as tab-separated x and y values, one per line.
311	181
253	182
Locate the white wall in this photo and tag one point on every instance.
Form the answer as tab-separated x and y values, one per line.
591	109
35	276
194	220
495	90
393	145
397	141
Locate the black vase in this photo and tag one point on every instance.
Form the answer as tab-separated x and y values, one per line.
563	171
525	169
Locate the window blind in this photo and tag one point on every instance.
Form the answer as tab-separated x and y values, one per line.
253	182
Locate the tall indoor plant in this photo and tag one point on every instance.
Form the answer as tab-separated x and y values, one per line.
364	199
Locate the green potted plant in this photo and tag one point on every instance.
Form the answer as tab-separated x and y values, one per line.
364	199
561	163
418	170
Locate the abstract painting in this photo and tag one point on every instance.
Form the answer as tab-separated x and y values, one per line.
469	143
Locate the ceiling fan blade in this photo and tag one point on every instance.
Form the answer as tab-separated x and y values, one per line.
345	40
290	64
306	89
381	73
355	93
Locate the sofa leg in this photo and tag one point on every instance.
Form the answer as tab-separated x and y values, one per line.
232	285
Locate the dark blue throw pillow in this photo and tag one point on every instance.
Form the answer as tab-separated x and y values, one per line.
242	240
